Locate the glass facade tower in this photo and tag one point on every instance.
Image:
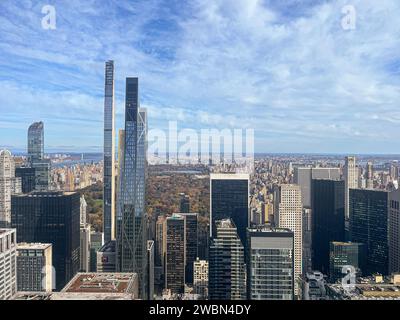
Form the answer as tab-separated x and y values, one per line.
131	220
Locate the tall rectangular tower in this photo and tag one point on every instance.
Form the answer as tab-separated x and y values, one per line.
289	214
270	264
369	211
327	219
131	219
109	155
394	231
229	199
350	172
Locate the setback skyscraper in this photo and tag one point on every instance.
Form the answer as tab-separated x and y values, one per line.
109	155
227	274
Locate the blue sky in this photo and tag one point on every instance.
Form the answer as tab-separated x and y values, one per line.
285	68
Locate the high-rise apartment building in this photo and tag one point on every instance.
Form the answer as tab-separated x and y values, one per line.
34	267
270	264
227	274
369	176
327	219
131	219
85	231
37	161
394	231
51	217
229	199
289	214
8	185
369	213
175	253
200	278
8	264
350	172
109	155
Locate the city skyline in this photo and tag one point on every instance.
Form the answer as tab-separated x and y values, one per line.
337	94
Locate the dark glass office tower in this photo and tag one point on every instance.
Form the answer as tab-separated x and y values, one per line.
346	254
270	264
327	201
191	244
109	155
51	217
36	141
27	176
230	199
131	219
227	273
175	255
369	211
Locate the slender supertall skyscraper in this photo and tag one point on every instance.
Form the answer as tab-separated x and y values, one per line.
109	155
131	219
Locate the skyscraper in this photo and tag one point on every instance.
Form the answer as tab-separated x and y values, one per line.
270	264
229	199
34	267
109	155
175	255
370	176
28	180
369	211
131	219
8	185
350	172
8	264
36	141
191	244
227	274
289	214
346	254
304	176
96	243
327	219
50	217
200	277
150	270
394	231
184	203
37	161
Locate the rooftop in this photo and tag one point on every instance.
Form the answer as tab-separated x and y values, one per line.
36	246
100	283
